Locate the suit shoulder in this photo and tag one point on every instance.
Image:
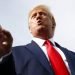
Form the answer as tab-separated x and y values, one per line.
20	50
70	52
66	50
18	47
21	56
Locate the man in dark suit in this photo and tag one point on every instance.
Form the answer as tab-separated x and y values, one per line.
33	59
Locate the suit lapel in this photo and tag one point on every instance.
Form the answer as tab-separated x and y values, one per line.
36	50
70	56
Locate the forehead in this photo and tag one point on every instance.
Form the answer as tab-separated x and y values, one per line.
38	10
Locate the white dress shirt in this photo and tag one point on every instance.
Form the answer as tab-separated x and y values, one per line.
40	42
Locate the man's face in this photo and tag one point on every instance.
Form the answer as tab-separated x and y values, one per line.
40	24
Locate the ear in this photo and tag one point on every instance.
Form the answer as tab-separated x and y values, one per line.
30	30
53	22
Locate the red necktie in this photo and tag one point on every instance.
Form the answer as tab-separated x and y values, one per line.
56	60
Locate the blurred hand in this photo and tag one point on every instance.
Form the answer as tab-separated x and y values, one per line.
6	41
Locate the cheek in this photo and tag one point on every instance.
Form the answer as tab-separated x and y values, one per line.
32	26
46	20
32	21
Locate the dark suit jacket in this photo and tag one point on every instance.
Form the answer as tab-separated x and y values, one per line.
30	60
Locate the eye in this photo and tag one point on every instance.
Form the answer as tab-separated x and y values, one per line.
43	13
33	15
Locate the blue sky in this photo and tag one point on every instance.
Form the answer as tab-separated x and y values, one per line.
14	17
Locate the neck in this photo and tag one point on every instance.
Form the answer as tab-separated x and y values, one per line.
43	37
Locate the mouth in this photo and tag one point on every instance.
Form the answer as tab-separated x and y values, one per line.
39	22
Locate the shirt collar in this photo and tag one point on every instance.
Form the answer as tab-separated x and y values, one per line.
41	41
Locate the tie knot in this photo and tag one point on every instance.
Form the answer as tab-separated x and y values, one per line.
48	42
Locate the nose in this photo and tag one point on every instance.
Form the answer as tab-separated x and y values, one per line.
38	16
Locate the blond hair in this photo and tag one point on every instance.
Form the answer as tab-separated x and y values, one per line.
45	8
